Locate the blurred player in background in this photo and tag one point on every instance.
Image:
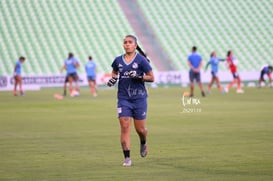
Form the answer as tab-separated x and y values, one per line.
132	70
214	62
90	69
65	82
195	64
268	71
18	77
231	61
71	64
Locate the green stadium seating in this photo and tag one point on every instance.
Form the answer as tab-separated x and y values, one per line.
242	26
46	31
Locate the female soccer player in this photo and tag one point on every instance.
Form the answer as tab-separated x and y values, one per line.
268	71
90	69
18	77
214	62
70	65
233	68
132	70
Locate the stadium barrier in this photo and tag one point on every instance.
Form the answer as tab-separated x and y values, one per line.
168	78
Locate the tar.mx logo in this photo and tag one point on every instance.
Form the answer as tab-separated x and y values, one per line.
190	104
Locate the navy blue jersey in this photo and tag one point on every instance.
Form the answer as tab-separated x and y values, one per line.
129	88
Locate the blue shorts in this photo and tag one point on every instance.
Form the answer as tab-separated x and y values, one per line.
214	74
66	79
136	109
194	76
235	75
73	75
91	78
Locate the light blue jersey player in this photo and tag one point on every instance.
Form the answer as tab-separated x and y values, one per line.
90	69
132	70
195	64
214	62
18	77
18	68
70	65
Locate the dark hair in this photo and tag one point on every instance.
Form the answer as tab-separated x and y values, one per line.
228	53
270	68
132	36
194	48
211	54
142	53
22	58
90	57
70	55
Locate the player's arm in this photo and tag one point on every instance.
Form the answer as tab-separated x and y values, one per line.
63	68
15	67
190	65
222	59
148	77
207	65
76	64
200	65
113	80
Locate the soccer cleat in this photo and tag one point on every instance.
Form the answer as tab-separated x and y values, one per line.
127	162
203	94
240	91
226	89
22	93
143	150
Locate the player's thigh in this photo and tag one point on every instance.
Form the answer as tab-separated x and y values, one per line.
197	77
75	77
19	79
125	123
124	108
191	76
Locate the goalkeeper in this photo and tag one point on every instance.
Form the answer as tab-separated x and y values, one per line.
131	69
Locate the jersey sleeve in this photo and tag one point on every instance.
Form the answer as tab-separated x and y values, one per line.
146	65
115	65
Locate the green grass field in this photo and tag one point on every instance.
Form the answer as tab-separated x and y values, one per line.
224	137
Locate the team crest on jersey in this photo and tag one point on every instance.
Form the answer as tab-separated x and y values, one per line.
120	67
135	65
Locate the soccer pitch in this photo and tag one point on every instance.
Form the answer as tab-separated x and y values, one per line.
219	137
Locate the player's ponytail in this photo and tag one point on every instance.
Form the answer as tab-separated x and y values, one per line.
142	52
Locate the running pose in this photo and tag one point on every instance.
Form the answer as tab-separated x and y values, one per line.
70	65
214	62
18	77
132	70
233	69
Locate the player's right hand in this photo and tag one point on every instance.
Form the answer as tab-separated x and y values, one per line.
112	81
